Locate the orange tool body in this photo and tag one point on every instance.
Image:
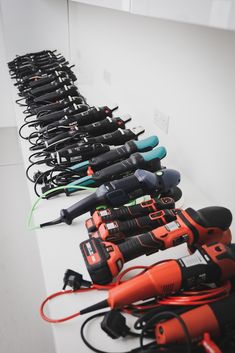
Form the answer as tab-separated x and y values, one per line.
104	260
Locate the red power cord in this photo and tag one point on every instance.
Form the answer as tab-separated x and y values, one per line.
186	298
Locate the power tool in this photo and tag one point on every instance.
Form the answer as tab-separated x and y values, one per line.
118	192
59	105
104	260
50	87
213	263
128	212
117	231
88	116
212	318
72	130
115	138
150	161
75	153
117	154
64	91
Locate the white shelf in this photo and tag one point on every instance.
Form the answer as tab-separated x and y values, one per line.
210	13
122	5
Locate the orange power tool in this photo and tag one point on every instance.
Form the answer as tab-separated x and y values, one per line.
128	212
212	263
104	260
211	318
116	231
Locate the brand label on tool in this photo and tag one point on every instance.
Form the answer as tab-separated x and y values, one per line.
110	226
195	259
104	213
172	226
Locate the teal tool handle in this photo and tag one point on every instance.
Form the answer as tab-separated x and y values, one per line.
79	165
149	142
159	152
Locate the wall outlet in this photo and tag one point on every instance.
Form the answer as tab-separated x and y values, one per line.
161	120
107	77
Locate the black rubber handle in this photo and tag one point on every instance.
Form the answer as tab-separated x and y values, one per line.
142	224
139	245
58	117
109	157
93	115
100	127
52	86
42	81
114	171
116	138
79	208
59	93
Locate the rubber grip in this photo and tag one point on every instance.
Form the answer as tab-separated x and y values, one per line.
159	152
151	141
43	89
109	157
139	245
41	81
139	225
116	138
52	117
114	171
79	208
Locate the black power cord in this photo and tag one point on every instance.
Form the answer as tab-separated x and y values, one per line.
152	346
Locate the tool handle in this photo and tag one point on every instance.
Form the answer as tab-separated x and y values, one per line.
50	86
103	126
118	230
79	208
62	117
114	171
50	118
93	114
42	81
59	105
123	152
109	157
146	144
141	209
59	93
115	138
139	245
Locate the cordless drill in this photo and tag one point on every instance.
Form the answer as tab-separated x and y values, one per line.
104	260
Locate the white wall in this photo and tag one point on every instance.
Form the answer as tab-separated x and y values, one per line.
7	116
25	26
184	71
32	25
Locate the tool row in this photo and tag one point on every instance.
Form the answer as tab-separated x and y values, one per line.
184	303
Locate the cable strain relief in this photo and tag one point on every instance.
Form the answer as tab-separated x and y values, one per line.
101	305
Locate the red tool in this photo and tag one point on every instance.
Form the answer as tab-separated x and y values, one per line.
211	318
128	212
209	264
104	260
117	231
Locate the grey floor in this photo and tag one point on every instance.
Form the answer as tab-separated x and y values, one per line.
22	285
